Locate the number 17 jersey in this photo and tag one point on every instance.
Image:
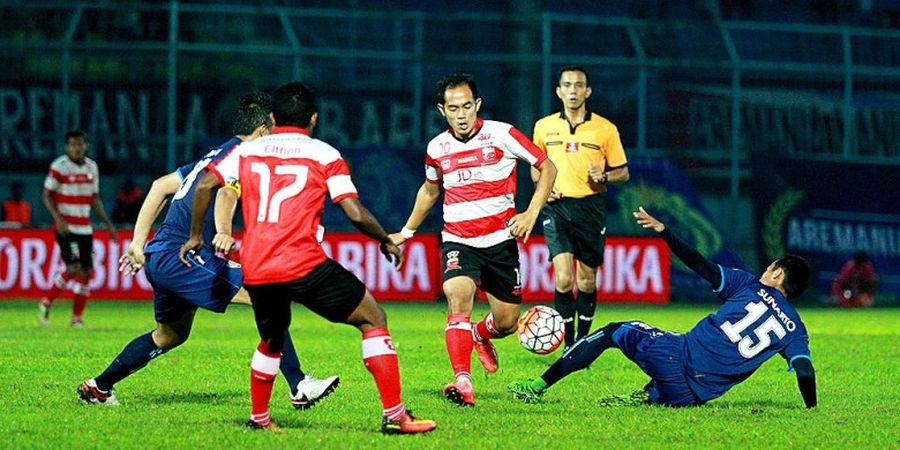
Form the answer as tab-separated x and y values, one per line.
754	323
283	179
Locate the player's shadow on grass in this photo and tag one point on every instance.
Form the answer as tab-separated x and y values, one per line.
755	406
289	422
200	398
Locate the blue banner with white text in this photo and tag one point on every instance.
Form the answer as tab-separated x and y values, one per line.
827	212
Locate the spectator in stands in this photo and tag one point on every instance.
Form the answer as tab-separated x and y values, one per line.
128	202
16	209
856	282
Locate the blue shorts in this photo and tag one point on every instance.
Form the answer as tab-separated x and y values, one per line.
178	289
659	354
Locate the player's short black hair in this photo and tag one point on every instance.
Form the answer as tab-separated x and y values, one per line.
253	110
293	104
796	275
453	80
587	78
75	134
861	257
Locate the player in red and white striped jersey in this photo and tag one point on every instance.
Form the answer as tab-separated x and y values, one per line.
283	179
474	161
71	192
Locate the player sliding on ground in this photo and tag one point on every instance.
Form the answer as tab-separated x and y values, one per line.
210	284
754	323
285	178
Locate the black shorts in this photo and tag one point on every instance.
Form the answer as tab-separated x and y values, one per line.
77	248
577	226
495	269
330	291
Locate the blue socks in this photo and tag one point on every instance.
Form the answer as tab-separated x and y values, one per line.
290	364
134	356
581	355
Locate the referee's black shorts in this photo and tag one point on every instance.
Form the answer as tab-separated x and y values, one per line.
577	226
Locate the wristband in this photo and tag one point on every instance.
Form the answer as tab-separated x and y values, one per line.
406	233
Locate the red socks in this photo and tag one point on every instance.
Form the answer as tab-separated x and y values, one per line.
82	292
381	359
485	329
458	335
263	369
58	285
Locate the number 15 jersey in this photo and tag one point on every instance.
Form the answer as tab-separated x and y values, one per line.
753	324
283	179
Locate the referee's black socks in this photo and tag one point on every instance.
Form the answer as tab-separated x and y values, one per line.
565	305
586	305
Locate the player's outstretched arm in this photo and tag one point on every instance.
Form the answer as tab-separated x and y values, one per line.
162	187
365	222
426	198
202	197
687	254
521	224
806	381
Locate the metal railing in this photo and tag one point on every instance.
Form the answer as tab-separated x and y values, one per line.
725	70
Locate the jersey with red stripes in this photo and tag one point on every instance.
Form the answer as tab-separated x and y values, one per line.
284	178
479	180
73	186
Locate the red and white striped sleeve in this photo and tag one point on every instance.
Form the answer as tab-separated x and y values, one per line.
340	185
523	148
432	171
51	183
95	176
227	169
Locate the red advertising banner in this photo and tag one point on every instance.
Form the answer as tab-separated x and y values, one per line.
635	269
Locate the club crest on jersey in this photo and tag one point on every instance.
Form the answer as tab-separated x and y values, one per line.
571	147
446	164
489	154
452	261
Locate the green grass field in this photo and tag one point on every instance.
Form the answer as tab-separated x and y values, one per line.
197	396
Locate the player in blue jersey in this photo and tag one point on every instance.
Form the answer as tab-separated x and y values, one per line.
754	323
211	283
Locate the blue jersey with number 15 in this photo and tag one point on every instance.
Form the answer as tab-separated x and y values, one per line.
754	323
177	226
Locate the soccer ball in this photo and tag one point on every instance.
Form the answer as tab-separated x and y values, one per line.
541	330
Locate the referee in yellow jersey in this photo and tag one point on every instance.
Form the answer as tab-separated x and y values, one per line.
589	156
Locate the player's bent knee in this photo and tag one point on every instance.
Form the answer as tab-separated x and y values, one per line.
167	339
368	314
588	285
611	328
564	282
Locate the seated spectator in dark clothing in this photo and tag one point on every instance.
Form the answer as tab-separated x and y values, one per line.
16	209
856	282
128	202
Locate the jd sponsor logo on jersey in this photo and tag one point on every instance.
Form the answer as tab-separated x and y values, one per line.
452	261
571	147
484	137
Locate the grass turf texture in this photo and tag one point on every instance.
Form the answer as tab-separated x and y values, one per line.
197	396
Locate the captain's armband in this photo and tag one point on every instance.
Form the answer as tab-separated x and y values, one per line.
235	186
